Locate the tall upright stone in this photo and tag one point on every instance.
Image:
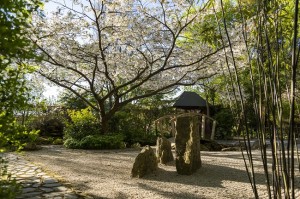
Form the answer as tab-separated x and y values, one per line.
187	142
164	150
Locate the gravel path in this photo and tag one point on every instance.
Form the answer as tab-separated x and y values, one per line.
106	174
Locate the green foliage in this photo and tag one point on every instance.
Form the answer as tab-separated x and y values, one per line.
225	123
135	121
96	142
206	30
58	141
9	188
15	48
49	140
83	123
83	132
70	101
49	125
17	136
15	17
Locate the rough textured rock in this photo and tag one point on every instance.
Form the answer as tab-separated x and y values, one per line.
30	147
187	142
145	162
210	145
203	148
164	150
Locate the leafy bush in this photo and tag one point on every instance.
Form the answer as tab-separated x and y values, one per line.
17	137
224	128
44	140
9	188
83	133
83	123
103	142
72	143
135	122
51	125
96	142
58	141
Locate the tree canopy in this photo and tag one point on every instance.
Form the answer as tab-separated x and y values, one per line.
15	50
109	53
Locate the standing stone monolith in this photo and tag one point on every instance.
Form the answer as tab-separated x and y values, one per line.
164	150
145	162
187	142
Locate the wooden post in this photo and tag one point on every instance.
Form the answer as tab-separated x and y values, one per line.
213	130
203	123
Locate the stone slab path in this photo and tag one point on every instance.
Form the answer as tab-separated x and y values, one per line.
37	184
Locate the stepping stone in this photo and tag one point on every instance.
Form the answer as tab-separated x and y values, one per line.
35	185
41	174
31	194
52	195
47	190
49	180
27	190
70	196
52	185
26	185
61	188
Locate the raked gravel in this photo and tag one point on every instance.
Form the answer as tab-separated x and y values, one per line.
106	174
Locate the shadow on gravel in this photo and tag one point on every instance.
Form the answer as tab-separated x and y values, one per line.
170	194
207	176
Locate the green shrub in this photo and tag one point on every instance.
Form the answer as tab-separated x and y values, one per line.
96	142
135	123
9	188
225	124
83	123
18	137
83	132
102	142
72	143
58	141
44	140
50	125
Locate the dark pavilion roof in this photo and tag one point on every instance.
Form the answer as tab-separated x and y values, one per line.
190	100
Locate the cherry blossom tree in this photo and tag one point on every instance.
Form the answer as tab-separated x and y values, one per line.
111	53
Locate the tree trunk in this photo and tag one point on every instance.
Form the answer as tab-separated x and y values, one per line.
104	125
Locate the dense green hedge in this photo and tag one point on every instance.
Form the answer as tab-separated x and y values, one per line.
82	132
96	142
